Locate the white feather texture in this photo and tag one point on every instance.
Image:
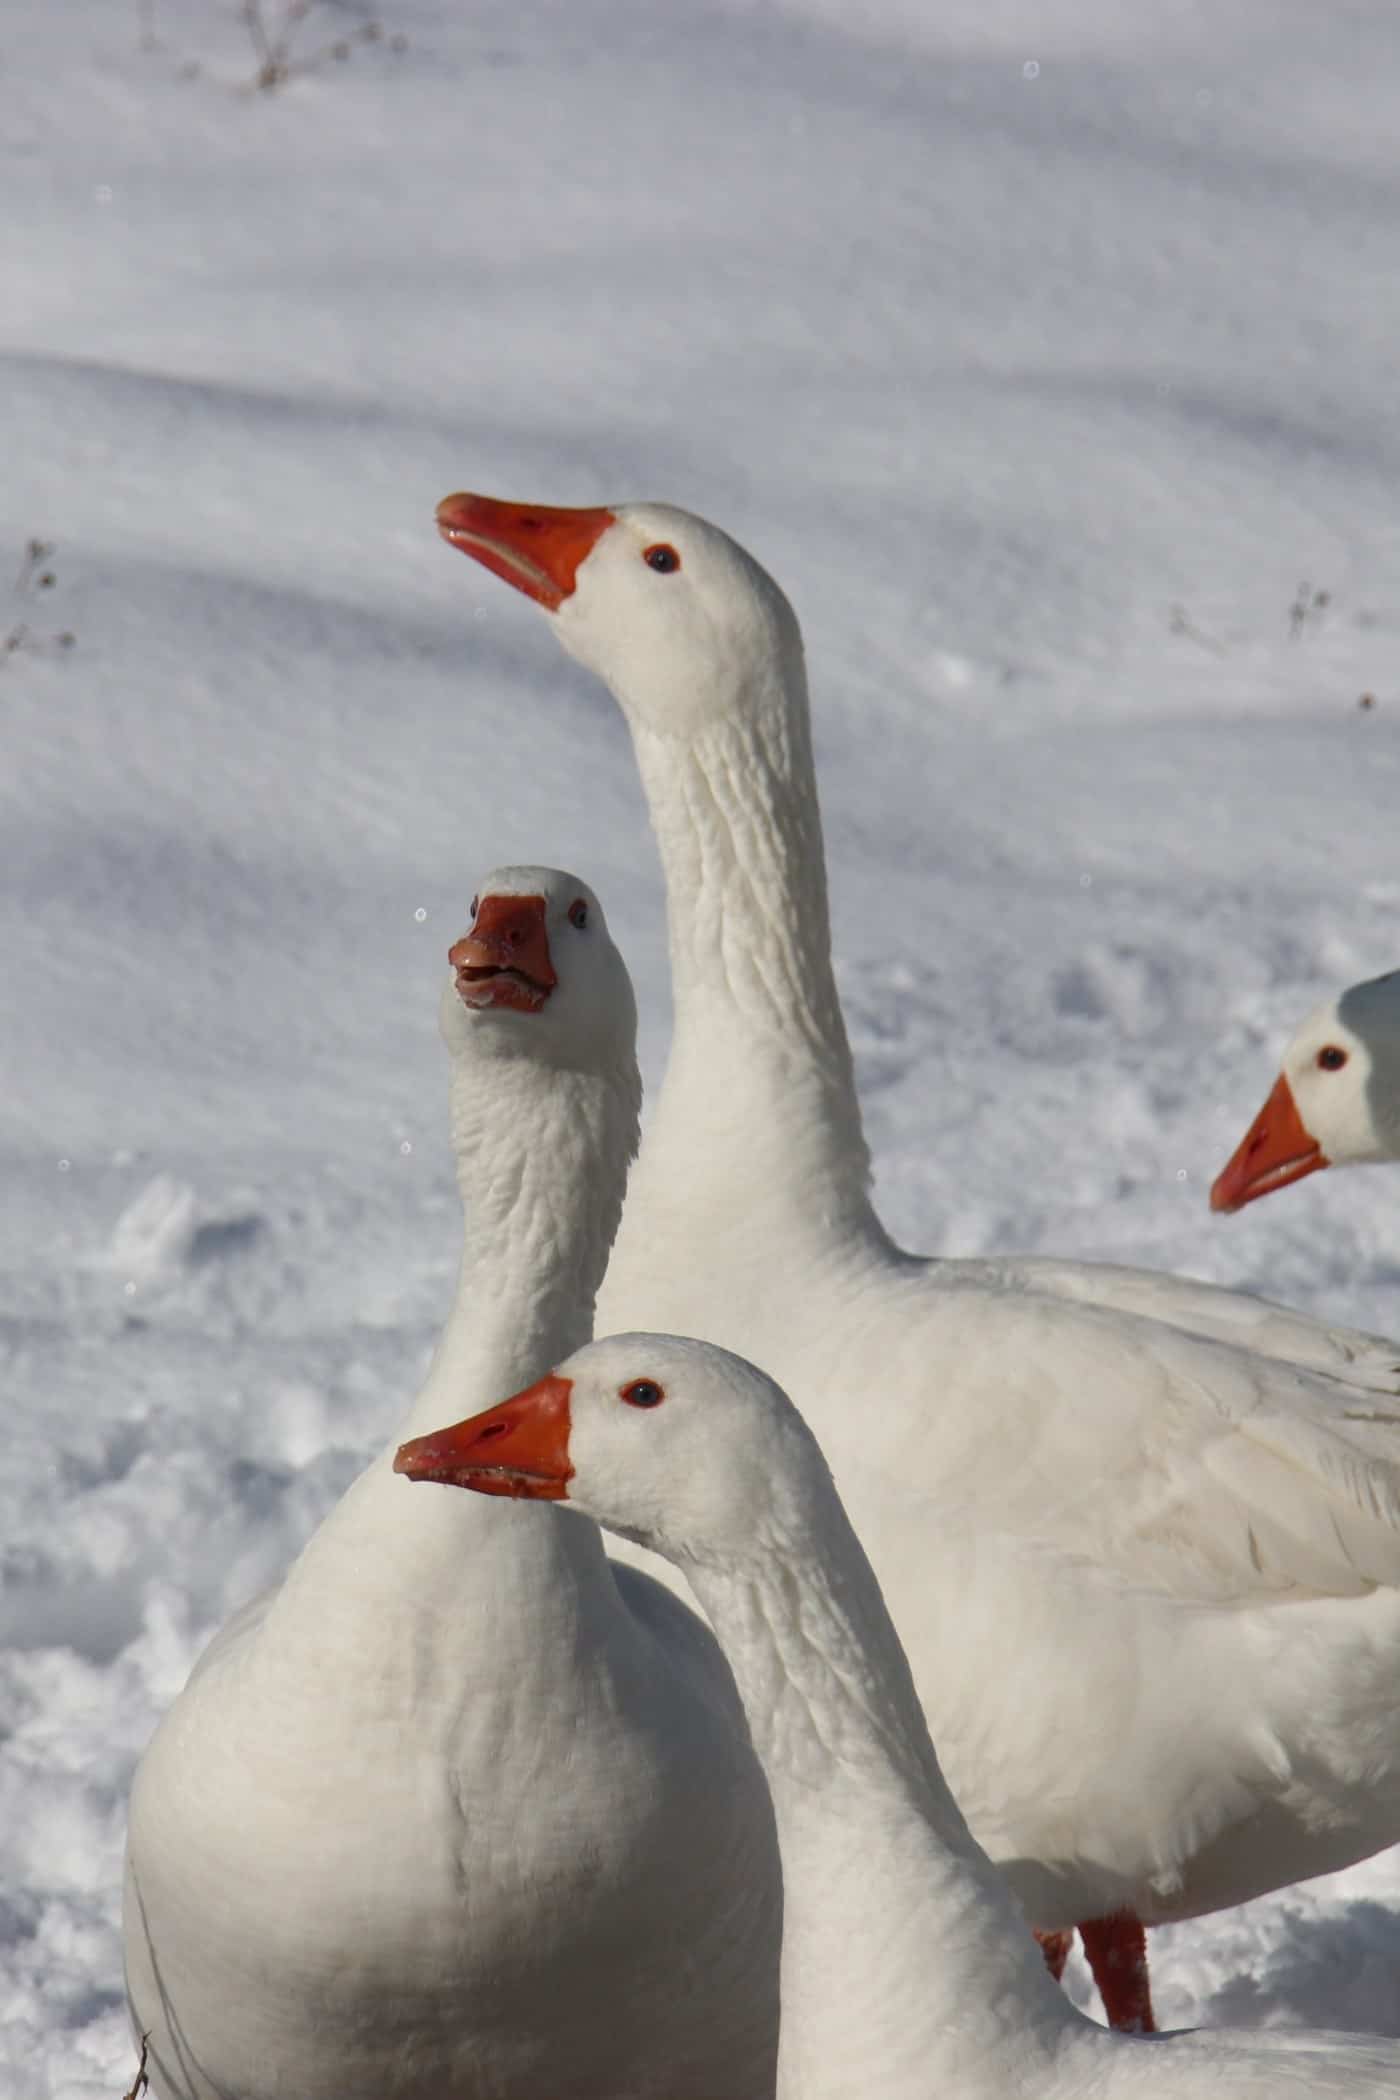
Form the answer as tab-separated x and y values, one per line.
459	1809
1178	1508
907	1970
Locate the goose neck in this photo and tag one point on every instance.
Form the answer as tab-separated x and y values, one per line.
906	1963
828	1690
757	1016
736	817
542	1157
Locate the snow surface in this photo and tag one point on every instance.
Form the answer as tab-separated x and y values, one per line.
1041	347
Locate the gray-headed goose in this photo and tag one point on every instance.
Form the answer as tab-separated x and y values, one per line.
1335	1103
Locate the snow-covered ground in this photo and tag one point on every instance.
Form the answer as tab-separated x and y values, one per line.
1041	347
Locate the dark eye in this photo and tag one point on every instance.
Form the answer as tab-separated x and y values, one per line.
578	913
642	1392
661	558
476	906
1331	1058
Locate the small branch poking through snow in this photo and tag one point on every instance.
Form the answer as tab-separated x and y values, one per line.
273	48
1181	624
272	66
273	28
140	2083
34	575
1308	606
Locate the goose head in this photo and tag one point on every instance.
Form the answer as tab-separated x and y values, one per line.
677	1444
672	614
1336	1101
536	975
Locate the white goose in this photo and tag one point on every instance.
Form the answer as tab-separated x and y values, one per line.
1180	1690
463	1810
907	1971
1335	1103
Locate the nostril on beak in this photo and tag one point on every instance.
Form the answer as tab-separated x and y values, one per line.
491	1429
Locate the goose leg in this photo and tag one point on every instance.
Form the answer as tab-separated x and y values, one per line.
1116	1951
1055	1946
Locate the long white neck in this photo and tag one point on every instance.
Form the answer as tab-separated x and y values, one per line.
400	1575
757	1018
907	1969
542	1156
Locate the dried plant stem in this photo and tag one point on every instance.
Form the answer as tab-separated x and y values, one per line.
274	52
140	2083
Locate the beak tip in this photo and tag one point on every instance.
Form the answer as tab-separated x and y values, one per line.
1277	1150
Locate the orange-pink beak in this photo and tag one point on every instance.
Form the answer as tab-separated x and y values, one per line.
1276	1149
533	546
505	959
520	1447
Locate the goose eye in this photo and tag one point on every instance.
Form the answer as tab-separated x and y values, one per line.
661	558
1331	1058
578	913
642	1392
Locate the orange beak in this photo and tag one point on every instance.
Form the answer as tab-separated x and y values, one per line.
505	959
1276	1149
536	548
519	1447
